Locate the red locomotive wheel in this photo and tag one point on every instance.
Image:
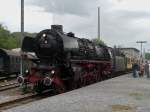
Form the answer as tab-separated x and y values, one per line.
59	87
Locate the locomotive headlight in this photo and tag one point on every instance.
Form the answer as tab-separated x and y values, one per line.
26	72
20	79
47	81
44	35
52	72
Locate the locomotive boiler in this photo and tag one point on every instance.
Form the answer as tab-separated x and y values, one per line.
64	61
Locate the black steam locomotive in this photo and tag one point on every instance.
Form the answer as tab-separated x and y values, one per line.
64	61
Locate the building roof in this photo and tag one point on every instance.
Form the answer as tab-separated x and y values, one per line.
130	48
9	52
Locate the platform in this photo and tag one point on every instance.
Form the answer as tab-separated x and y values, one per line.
120	94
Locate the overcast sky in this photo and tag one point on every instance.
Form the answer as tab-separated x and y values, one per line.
123	22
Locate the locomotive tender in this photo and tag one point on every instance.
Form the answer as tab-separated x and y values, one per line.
64	61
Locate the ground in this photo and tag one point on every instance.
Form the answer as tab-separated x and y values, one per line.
121	94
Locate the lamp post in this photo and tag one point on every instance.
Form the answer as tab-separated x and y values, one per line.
98	33
141	56
22	35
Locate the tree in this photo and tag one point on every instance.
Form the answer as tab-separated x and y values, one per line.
147	56
97	41
10	40
6	40
18	35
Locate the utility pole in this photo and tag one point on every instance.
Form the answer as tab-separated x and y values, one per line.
144	53
22	17
141	42
98	23
22	35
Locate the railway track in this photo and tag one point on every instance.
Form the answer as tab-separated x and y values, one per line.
7	78
8	86
17	101
27	98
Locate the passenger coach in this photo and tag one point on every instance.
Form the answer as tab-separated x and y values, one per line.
9	62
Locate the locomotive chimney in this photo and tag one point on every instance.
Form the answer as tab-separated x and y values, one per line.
57	28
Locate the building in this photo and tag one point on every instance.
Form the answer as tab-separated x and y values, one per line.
131	52
132	55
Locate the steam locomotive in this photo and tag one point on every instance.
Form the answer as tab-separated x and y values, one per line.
64	61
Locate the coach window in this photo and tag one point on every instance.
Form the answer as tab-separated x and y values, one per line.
14	60
17	59
11	60
1	62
